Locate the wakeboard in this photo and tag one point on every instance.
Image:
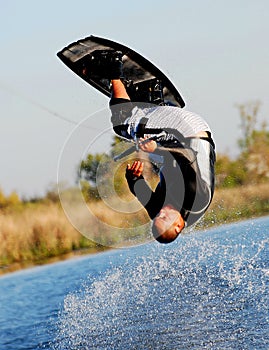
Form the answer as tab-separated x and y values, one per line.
144	81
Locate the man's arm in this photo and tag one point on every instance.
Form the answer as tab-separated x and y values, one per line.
137	183
151	200
147	146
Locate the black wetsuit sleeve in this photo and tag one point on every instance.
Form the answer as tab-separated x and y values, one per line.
151	200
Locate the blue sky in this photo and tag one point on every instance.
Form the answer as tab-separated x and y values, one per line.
215	52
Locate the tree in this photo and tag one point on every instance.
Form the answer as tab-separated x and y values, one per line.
254	144
248	116
252	165
229	173
99	173
87	174
9	201
88	168
257	157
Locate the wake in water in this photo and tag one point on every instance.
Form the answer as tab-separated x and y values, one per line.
207	290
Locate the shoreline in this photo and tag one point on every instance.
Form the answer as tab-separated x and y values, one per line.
18	266
42	235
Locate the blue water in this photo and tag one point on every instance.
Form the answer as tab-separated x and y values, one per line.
207	290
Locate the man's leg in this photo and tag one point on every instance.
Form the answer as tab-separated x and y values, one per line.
118	89
121	108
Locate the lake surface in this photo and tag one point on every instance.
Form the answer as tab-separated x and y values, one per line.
206	290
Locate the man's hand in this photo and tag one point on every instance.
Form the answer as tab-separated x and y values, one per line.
135	170
147	146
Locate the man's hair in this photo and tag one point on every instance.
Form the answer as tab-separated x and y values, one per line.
166	237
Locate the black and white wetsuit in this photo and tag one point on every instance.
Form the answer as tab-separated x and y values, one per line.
187	175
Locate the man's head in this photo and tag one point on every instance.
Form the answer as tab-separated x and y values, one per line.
167	225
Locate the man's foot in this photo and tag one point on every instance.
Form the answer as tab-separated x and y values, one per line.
105	63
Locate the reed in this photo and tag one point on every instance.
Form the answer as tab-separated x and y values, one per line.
36	233
238	203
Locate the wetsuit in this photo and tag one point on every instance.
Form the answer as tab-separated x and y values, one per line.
187	174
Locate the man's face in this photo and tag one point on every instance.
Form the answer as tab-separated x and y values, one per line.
169	217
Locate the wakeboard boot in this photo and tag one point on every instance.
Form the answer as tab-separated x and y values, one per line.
106	64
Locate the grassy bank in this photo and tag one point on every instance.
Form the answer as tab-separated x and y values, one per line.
35	234
40	232
238	203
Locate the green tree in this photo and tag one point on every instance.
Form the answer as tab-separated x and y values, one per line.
88	168
87	174
252	165
254	144
13	199
9	201
248	116
257	157
3	201
99	171
229	173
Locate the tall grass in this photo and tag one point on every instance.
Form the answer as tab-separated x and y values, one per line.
36	233
238	203
41	231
